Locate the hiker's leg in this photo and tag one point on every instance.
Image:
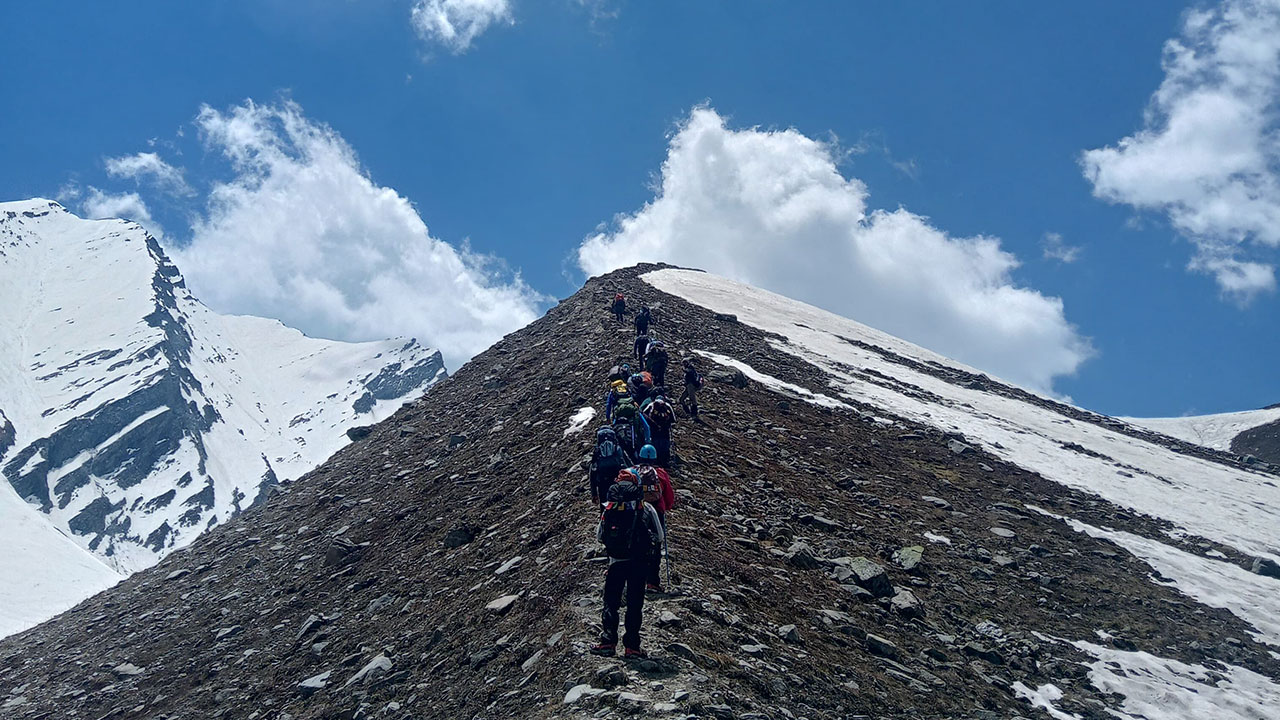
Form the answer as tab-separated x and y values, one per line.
635	603
615	579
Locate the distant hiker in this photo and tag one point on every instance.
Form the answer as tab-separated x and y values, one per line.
658	492
621	371
607	460
630	425
617	390
655	361
642	321
619	307
640	385
631	532
640	348
661	416
692	383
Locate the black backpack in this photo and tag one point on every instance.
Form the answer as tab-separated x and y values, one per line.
623	530
656	358
608	457
660	414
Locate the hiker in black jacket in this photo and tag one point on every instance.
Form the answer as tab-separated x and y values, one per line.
631	533
619	307
655	361
641	347
642	321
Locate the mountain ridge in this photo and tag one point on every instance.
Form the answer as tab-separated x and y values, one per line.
833	559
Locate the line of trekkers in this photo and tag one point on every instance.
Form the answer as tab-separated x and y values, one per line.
629	474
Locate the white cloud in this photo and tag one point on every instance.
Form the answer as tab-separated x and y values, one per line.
302	234
98	205
1209	152
1055	249
149	165
455	24
771	208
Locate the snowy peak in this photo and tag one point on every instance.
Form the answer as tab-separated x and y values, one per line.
133	417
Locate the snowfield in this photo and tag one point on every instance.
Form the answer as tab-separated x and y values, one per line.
1235	507
139	417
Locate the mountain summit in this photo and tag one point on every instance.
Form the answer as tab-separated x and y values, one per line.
132	417
864	529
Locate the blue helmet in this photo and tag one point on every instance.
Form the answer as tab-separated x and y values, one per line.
648	452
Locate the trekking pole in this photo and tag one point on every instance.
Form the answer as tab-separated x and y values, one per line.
666	550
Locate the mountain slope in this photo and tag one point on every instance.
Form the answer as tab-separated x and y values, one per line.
837	554
133	416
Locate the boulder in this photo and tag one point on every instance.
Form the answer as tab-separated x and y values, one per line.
906	604
908	558
502	604
359	432
1267	567
871	577
376	668
877	645
731	376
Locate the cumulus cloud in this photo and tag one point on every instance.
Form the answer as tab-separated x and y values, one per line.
1056	249
455	24
771	208
97	204
149	166
301	233
1208	155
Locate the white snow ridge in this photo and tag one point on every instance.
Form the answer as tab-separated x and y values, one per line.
1219	497
132	417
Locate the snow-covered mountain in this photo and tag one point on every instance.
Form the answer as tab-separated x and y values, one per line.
1219	542
1241	432
132	417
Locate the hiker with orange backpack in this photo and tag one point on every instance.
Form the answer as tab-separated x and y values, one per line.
619	307
631	533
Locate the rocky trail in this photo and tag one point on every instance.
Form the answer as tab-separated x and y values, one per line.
828	563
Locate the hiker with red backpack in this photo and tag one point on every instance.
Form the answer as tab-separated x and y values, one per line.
658	492
631	532
619	307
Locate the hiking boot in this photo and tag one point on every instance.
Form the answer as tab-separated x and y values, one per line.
605	648
651	588
635	654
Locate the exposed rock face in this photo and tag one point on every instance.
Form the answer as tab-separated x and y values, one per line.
133	417
1262	442
760	623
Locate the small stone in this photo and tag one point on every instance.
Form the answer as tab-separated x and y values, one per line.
871	577
502	604
669	619
906	604
680	696
908	558
789	633
533	660
227	632
508	565
379	604
376	668
177	574
459	536
577	692
127	670
936	502
880	646
315	682
982	651
1002	532
755	649
958	447
800	555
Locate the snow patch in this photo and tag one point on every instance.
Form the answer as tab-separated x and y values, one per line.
774	383
579	420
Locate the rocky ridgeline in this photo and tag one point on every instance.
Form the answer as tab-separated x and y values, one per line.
452	572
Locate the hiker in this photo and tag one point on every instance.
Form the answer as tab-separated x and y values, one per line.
642	321
640	385
630	425
641	347
631	532
655	361
621	371
607	460
661	416
617	390
658	492
619	307
692	383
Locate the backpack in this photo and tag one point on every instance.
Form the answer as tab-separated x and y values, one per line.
619	372
622	528
608	456
656	357
620	388
648	477
646	379
625	409
660	414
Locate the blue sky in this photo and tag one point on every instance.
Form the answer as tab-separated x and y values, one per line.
572	135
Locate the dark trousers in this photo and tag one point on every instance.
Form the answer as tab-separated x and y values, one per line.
659	374
655	562
689	399
618	314
628	576
662	443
